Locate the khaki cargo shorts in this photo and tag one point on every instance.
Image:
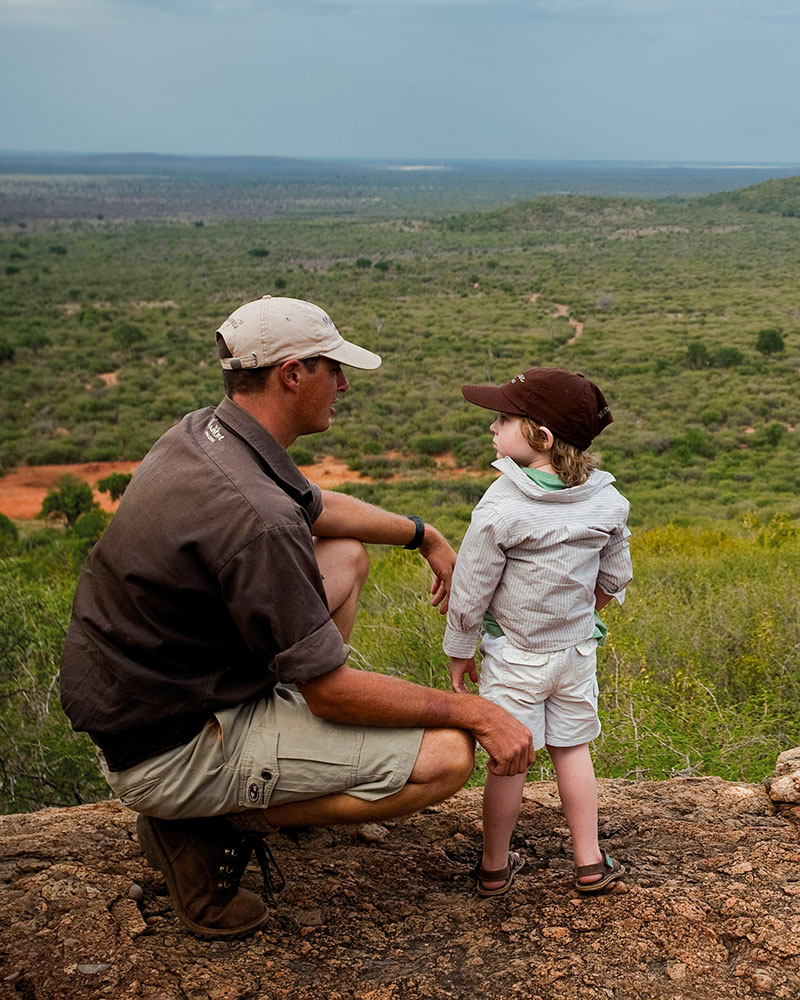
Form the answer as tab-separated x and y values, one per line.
266	753
553	694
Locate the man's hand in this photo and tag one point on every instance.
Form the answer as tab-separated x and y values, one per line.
508	743
458	668
361	697
441	558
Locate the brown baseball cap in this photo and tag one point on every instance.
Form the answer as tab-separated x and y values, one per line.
269	331
567	403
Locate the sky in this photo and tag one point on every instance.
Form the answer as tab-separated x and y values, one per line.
416	80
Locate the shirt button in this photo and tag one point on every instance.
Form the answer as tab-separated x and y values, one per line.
525	656
266	775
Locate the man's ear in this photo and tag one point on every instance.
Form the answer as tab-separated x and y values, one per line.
289	373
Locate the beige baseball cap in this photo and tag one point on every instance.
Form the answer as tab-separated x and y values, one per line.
271	330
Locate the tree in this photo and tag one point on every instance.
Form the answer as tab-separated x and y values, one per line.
91	525
770	342
697	355
68	498
127	334
115	484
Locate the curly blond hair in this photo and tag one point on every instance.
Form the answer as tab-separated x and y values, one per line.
573	466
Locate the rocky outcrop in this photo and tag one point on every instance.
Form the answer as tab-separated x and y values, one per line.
785	786
709	911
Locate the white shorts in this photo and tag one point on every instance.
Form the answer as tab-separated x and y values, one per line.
553	694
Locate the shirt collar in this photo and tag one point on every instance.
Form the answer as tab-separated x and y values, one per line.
279	465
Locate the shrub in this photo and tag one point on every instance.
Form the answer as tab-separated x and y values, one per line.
697	355
127	334
773	434
301	455
115	484
91	525
770	342
726	357
431	444
364	262
259	252
69	498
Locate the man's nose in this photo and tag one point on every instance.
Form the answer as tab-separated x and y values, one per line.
342	384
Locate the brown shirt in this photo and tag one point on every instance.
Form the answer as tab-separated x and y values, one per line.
203	592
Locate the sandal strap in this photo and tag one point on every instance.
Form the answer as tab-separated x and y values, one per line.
503	873
486	876
598	868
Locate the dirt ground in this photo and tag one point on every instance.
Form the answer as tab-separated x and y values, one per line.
709	910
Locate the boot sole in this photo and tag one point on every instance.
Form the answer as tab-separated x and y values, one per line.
148	838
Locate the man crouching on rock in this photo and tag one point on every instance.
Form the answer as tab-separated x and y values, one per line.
206	656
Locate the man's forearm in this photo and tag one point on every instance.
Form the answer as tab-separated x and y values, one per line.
360	697
344	516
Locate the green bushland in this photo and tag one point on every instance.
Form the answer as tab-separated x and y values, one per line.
106	340
112	341
42	762
698	677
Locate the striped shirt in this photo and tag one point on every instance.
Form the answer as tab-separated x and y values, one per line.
532	558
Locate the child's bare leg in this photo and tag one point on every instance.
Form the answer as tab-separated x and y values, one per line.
577	787
502	798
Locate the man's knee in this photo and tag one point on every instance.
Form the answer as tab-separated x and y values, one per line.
343	562
354	556
446	757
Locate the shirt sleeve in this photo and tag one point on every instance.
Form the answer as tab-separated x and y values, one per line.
274	592
616	569
479	566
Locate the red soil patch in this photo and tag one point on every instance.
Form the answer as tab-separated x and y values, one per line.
22	492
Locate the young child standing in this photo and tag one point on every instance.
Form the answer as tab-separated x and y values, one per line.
547	546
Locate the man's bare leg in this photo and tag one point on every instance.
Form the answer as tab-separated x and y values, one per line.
344	565
444	764
446	756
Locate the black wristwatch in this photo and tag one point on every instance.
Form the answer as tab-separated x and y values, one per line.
419	532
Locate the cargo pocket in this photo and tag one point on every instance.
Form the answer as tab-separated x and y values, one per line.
139	795
523	669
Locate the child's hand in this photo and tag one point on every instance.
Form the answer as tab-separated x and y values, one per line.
457	670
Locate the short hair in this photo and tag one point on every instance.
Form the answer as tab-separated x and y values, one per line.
249	381
572	465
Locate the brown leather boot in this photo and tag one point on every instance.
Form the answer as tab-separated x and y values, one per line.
203	861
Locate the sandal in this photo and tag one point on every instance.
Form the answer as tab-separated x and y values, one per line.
608	869
507	874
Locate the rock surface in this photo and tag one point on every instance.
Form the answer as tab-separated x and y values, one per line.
709	911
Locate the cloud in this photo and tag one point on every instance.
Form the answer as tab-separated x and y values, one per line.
66	11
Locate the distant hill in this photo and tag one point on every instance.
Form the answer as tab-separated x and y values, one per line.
781	196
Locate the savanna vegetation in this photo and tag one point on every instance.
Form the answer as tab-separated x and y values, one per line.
686	312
